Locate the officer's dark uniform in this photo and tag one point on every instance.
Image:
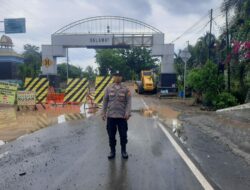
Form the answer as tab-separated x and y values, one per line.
117	105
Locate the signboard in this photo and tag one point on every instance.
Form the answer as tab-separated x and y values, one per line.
14	25
47	62
8	86
100	40
26	98
82	40
7	93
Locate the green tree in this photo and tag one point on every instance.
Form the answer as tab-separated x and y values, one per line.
179	69
108	61
74	71
239	30
128	61
138	59
89	73
32	62
207	81
200	51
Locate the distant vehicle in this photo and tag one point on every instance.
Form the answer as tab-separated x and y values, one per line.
167	85
147	82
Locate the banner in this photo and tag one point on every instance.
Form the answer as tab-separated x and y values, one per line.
7	93
26	98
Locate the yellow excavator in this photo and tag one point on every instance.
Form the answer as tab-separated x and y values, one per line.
147	82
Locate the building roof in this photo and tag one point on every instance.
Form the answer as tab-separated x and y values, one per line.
6	51
6	41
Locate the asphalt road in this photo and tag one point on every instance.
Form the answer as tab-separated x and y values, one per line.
73	155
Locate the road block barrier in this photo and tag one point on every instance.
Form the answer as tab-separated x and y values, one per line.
101	83
40	86
74	116
55	98
76	91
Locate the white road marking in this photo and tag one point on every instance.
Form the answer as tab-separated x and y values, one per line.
144	103
199	176
3	154
2	142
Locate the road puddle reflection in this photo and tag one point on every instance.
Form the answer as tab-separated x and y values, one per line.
147	112
14	124
170	118
178	130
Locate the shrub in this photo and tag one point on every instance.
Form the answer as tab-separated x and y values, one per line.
224	100
208	99
206	81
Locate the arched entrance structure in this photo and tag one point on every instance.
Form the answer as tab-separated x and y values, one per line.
106	32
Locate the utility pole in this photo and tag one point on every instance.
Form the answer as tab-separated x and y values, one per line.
2	30
228	64
185	55
210	33
67	55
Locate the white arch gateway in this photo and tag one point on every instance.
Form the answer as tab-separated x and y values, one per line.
106	32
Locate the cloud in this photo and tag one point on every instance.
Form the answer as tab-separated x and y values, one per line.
186	7
174	24
80	57
128	8
44	17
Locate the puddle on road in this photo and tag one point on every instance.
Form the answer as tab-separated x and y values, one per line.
147	112
14	124
170	118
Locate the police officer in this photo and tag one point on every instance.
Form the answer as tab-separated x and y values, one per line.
117	108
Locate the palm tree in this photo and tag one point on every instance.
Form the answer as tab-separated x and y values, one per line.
30	48
231	4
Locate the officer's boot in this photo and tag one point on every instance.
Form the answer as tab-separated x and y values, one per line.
112	153
124	152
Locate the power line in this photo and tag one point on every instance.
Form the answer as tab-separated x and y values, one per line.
218	13
190	28
219	27
203	27
199	32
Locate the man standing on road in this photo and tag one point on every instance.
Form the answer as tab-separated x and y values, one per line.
117	108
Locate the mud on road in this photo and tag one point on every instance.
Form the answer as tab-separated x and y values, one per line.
219	142
14	124
231	128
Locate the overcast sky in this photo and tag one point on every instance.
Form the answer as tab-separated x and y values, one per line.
44	17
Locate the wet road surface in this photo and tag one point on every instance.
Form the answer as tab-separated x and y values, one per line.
14	124
73	155
218	142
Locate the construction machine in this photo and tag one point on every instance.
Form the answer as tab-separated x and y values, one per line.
147	82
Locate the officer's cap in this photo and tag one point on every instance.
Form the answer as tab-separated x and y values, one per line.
117	73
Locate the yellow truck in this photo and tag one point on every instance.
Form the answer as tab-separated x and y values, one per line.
147	82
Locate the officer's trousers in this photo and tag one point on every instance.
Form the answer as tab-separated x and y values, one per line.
122	125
